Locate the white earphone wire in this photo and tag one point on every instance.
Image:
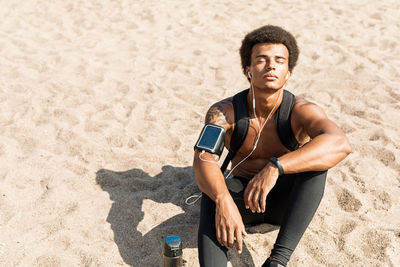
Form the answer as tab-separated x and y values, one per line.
260	128
196	197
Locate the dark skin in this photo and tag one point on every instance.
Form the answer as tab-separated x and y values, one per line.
328	146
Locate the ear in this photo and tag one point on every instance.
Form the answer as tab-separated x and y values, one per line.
288	75
247	70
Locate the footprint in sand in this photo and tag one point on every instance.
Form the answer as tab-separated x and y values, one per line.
388	45
116	140
123	88
349	109
87	259
347	201
77	169
374	245
65	135
394	95
378	134
47	261
27	144
382	200
94	126
347	128
336	11
345	229
359	68
386	156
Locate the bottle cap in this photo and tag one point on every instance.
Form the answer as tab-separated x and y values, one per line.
172	246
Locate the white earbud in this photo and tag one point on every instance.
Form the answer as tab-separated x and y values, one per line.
249	74
287	76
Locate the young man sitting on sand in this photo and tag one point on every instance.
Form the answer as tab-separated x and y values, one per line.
271	183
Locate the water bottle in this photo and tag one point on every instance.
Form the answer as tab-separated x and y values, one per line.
172	251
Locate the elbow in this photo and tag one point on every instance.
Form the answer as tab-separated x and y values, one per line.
195	159
340	147
196	165
345	146
348	149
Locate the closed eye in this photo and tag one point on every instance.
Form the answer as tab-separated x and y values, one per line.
280	60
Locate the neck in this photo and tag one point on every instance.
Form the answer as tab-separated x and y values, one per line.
265	100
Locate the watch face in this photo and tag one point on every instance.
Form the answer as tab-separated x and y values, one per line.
210	137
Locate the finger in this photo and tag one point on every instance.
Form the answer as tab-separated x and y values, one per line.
224	238
248	200
256	202
218	233
239	241
263	200
244	233
231	240
246	196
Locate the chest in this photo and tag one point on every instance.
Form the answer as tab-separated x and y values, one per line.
269	143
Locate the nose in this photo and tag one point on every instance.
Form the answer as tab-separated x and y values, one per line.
270	65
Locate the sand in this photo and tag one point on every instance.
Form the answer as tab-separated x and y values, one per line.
101	103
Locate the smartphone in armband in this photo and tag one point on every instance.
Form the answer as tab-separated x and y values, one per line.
212	139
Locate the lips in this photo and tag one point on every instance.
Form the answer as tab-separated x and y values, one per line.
270	77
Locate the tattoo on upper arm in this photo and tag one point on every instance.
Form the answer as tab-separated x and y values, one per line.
217	114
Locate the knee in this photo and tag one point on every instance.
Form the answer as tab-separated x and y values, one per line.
313	183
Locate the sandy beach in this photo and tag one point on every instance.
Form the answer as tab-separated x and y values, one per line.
101	103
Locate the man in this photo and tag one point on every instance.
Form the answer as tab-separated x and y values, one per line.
271	184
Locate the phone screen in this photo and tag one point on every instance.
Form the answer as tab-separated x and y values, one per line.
210	137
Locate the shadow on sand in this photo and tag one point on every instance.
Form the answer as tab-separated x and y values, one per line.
130	188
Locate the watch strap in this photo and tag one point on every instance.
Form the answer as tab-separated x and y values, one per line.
278	164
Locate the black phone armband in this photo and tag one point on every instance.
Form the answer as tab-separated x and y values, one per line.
212	139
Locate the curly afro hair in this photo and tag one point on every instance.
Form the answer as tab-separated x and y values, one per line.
268	34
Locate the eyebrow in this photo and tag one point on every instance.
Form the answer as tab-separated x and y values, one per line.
265	56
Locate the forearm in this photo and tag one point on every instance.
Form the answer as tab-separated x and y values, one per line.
229	226
209	177
322	153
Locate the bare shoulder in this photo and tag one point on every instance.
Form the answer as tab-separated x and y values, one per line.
310	119
304	109
221	113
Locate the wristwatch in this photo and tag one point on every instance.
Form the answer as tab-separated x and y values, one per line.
277	163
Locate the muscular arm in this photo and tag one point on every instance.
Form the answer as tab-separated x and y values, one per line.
208	175
329	144
228	222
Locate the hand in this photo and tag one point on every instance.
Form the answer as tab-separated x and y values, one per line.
228	223
258	188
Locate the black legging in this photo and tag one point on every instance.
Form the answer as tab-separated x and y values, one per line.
291	204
